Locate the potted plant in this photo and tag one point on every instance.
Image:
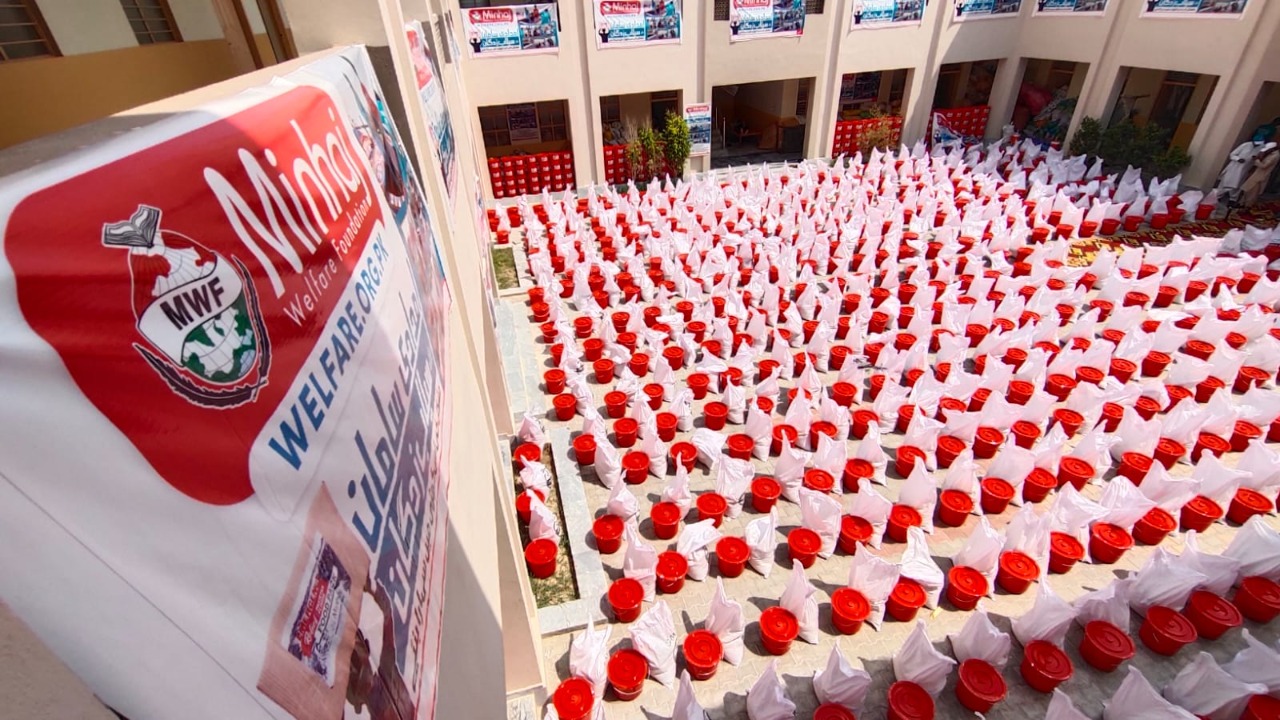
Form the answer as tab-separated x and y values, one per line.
676	143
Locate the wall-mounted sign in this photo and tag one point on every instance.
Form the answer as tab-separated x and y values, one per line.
632	23
886	13
240	325
1195	7
443	145
1096	7
508	29
756	19
698	117
522	122
981	9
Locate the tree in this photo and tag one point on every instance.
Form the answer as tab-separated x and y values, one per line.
676	143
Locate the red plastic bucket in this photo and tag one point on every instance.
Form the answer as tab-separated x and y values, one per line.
625	596
853	530
711	505
1112	414
909	701
684	453
667	423
615	403
1245	433
804	545
653	391
672	567
698	383
1208	442
819	480
764	493
1152	528
607	530
584	449
1199	513
1045	666
1104	646
1262	707
731	555
1155	363
573	699
849	609
523	503
1134	466
1020	390
566	406
714	415
965	587
1258	599
1165	630
855	470
986	441
779	432
953	507
949	448
1075	471
1064	552
666	520
1212	615
1060	386
906	459
906	600
702	653
1168	452
1017	571
625	431
1025	433
1108	542
540	554
627	670
1037	485
902	517
1246	504
980	686
740	446
635	465
777	629
996	495
554	380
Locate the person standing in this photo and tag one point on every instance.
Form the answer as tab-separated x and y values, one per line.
1263	165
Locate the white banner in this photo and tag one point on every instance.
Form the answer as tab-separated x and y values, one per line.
635	23
756	19
698	118
225	423
1080	7
512	29
1196	7
444	147
869	14
982	9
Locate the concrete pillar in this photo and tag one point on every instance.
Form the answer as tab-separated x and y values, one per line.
1004	94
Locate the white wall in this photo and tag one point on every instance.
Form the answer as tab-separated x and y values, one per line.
196	19
86	26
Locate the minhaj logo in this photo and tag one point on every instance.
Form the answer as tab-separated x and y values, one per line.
198	314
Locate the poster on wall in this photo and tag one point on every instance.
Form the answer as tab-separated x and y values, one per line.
1195	7
886	13
522	122
239	325
756	19
698	118
444	147
509	29
1096	7
860	87
632	23
983	9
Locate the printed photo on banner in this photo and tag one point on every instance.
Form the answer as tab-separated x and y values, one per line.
756	19
268	281
512	29
1196	7
522	122
886	13
443	145
629	23
698	118
1096	7
981	9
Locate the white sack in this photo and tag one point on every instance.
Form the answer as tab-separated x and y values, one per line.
640	562
1135	699
840	683
1049	619
917	661
797	599
1207	690
767	699
981	639
918	565
653	635
761	539
875	578
693	542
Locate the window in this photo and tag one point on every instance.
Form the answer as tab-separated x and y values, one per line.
151	20
721	11
552	122
814	7
493	126
1061	73
802	97
610	109
23	33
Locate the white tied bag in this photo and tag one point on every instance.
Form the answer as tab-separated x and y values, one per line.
762	541
875	578
725	621
653	635
917	661
1135	699
840	683
798	599
640	563
1049	619
1207	690
980	639
589	656
693	542
918	565
767	699
820	513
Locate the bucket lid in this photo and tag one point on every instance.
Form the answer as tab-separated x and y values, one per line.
741	442
627	668
803	540
732	549
905	515
635	460
908	592
1204	506
1039	477
1020	565
1171	447
951	443
672	564
683	449
573	699
1160	519
653	390
956	500
1171	623
1247	429
1217	609
1049	660
626	593
983	680
832	711
712	503
716	408
665	513
1262	706
540	551
785	430
990	435
778	624
565	400
1214	442
1253	500
1068	416
1136	460
607	526
765	486
865	416
850	603
1066	545
698	379
910	701
1266	591
702	648
998	487
1112	535
1076	466
856	527
614	397
968	580
821	480
1111	640
626	425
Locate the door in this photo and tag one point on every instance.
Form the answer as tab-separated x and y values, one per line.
1173	99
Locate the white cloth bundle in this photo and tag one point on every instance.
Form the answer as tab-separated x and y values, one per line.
919	565
1205	689
982	552
760	537
653	635
710	446
693	542
608	465
1049	619
676	490
917	661
921	493
640	563
869	449
732	479
1061	708
840	683
1219	571
1256	663
767	699
1161	581
797	599
589	657
542	522
622	503
686	706
531	430
875	578
535	476
1135	699
981	639
820	513
1107	604
1125	503
725	621
1257	548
